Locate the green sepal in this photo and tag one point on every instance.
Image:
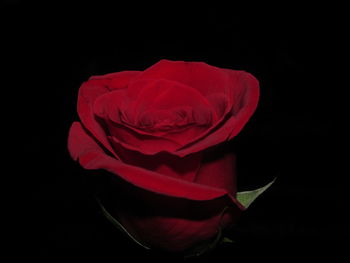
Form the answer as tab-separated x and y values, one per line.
246	198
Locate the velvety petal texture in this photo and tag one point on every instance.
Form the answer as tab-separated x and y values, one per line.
160	133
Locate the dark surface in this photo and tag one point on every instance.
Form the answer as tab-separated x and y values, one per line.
52	49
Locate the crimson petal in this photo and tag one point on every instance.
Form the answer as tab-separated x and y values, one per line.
91	156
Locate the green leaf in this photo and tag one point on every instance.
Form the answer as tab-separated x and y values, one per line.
117	224
246	198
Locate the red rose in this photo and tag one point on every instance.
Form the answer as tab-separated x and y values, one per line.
162	131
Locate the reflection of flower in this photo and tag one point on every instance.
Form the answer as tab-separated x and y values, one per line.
162	131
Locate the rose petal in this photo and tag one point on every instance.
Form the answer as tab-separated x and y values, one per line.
166	222
112	105
165	94
175	231
220	103
185	168
246	99
218	169
112	109
197	113
204	78
89	92
143	143
91	156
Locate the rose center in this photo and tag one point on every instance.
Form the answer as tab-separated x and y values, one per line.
164	120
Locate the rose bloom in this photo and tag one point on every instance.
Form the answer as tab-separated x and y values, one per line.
160	134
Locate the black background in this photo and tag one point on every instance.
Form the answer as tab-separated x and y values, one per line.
51	48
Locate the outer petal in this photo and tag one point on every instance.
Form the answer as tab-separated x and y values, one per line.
91	156
185	168
218	169
204	78
177	231
166	222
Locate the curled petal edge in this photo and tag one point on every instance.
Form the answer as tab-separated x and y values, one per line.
92	157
